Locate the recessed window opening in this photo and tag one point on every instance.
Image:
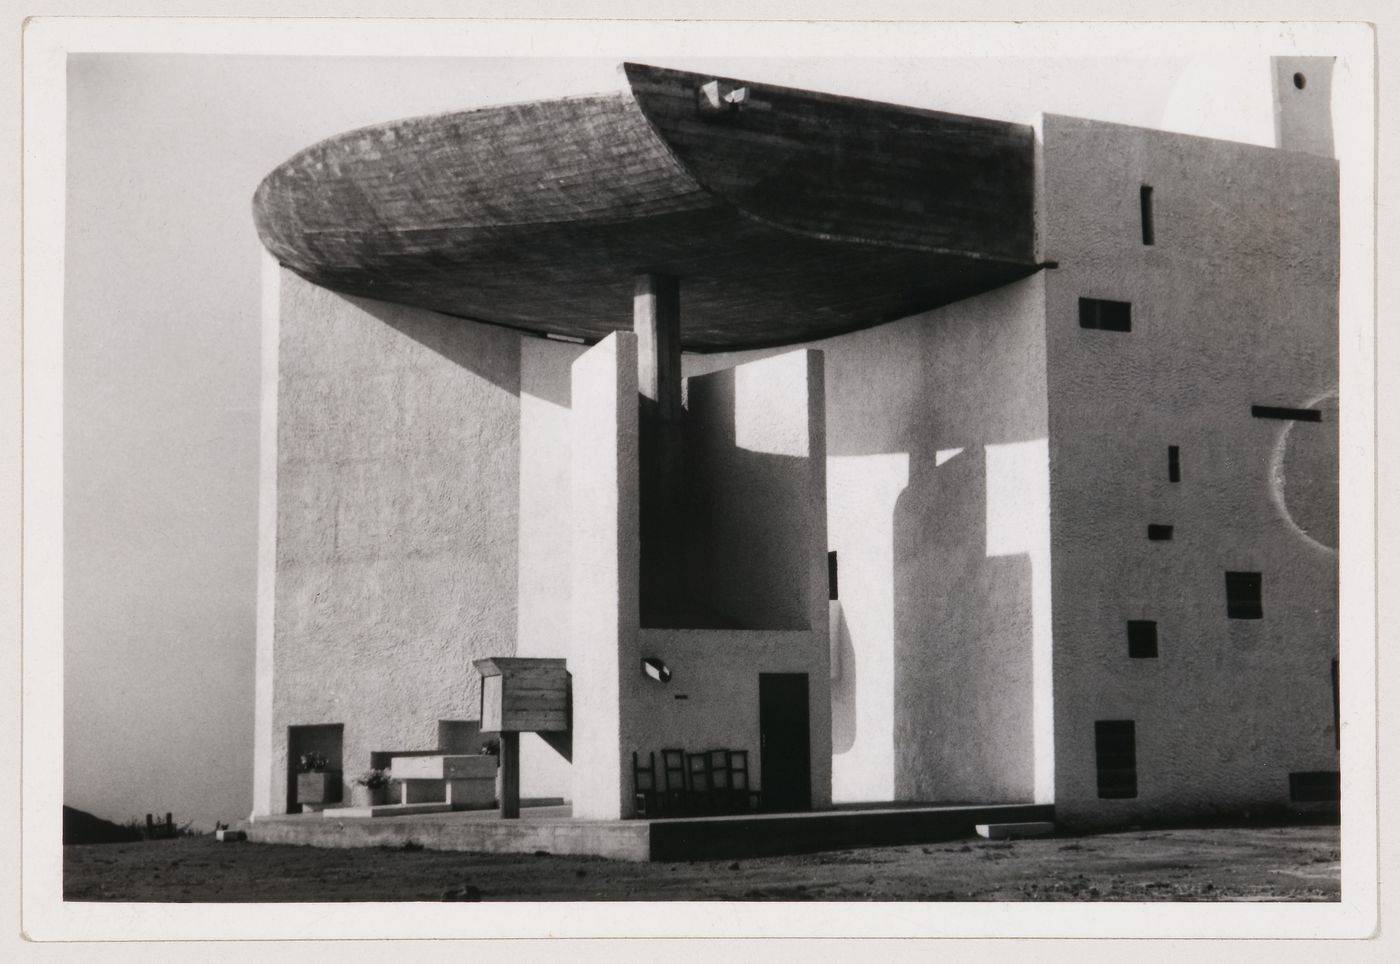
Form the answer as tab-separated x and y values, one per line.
1173	463
1145	200
1244	592
1316	786
1142	639
1277	411
1115	758
1105	315
832	591
1159	533
1300	81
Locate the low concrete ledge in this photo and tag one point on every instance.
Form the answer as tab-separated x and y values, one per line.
387	810
1005	831
552	830
618	840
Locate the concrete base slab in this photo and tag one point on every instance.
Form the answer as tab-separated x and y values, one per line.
387	810
1003	831
552	830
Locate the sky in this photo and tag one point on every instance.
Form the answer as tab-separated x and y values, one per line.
161	335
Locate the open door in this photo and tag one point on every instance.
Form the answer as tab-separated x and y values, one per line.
785	745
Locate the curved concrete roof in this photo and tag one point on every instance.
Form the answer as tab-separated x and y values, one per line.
787	215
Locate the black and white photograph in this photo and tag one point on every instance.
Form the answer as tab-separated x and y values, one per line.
891	479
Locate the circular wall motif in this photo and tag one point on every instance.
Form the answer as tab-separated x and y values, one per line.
1304	476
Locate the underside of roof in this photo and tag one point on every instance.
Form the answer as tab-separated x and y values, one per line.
786	215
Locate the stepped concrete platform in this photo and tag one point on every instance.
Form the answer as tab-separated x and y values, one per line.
553	830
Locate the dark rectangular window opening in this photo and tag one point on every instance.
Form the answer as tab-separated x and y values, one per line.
1142	639
1294	414
832	591
1244	595
1316	786
1145	198
1159	533
1173	463
1115	754
1105	315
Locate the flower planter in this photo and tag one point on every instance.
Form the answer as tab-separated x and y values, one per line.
363	796
318	787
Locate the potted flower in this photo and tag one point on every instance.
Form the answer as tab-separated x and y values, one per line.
371	787
317	783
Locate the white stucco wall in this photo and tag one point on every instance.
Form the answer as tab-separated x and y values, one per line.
546	530
396	533
617	708
749	460
606	552
944	600
712	700
1234	305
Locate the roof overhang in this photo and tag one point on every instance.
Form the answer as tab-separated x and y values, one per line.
787	215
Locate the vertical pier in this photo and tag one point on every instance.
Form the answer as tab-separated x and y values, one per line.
656	319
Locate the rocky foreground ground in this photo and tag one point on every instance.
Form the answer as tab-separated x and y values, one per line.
1256	863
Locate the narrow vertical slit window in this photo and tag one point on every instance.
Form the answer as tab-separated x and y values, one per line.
1244	595
1173	463
1145	199
1115	757
832	590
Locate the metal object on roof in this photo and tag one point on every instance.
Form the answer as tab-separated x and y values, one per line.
787	215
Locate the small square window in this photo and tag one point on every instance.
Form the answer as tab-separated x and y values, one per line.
1105	315
1244	595
1142	639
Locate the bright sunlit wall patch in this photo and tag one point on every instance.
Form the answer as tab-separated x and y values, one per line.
1018	522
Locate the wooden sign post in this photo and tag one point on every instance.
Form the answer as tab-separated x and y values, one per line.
518	695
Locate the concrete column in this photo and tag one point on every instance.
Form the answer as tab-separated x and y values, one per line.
510	775
656	319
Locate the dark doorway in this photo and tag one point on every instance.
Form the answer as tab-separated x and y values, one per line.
325	741
786	768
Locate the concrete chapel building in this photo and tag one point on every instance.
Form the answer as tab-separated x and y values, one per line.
857	453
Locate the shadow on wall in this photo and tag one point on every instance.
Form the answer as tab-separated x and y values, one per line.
844	723
746	520
942	389
963	656
485	350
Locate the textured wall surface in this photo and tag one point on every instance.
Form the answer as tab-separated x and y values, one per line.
1303	104
862	491
716	672
748	476
1234	305
606	553
397	481
617	708
934	696
546	530
760	445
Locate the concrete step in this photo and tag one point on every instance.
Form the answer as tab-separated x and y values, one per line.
1003	831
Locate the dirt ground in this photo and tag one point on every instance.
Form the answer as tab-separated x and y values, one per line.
1257	863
